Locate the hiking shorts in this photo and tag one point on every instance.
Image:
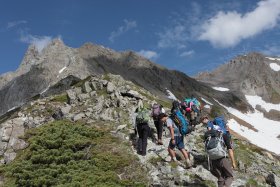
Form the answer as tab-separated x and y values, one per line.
227	140
179	143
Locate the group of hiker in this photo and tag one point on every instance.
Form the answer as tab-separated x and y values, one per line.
183	118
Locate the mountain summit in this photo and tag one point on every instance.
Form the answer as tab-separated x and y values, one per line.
41	70
249	74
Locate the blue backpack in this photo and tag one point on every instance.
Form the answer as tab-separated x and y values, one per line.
221	123
180	122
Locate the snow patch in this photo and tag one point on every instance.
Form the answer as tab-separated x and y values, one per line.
272	58
207	106
11	109
45	89
268	130
221	89
60	71
256	100
274	66
206	101
170	95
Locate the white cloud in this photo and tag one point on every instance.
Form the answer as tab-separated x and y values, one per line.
15	23
227	29
152	55
181	28
187	53
40	42
173	37
128	25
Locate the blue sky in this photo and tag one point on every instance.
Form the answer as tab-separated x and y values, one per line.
187	35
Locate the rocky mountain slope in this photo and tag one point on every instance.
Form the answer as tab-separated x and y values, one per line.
247	75
108	102
40	71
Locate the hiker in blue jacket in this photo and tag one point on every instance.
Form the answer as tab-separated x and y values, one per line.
219	124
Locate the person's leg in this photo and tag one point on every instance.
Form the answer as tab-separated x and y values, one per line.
227	172
159	134
171	151
146	131
216	171
160	129
227	141
140	134
156	125
181	147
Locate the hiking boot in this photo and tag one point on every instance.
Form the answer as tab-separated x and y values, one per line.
188	163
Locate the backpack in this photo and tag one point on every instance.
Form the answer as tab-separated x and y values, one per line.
156	111
220	122
188	103
196	102
214	145
143	116
180	122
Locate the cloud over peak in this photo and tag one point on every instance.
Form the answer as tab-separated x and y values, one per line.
227	29
40	42
128	25
152	55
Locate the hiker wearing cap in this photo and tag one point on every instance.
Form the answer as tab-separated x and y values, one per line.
176	141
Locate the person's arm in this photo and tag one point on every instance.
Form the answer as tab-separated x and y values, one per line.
231	156
172	134
209	125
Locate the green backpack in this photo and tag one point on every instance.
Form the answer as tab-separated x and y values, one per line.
143	116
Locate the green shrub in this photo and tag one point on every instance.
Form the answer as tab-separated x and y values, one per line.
60	98
66	154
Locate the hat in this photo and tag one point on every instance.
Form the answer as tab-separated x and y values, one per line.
162	115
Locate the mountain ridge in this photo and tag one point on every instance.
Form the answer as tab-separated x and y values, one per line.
57	61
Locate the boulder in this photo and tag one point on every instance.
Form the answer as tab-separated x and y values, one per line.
83	97
17	144
93	86
3	147
78	116
86	87
6	132
110	88
132	93
9	156
65	110
72	96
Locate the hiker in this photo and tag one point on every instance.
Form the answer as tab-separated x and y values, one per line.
192	109
143	129
226	134
216	152
157	109
220	125
176	141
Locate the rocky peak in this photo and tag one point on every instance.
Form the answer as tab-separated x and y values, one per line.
90	50
247	74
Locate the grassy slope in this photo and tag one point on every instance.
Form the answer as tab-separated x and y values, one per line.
66	154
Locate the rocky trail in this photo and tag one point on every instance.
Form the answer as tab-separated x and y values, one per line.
111	100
